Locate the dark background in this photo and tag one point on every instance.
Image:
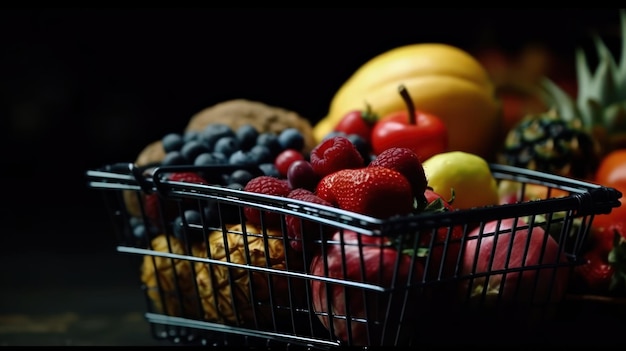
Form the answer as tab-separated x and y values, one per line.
82	88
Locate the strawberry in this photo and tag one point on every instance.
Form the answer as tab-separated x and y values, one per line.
334	154
359	122
297	226
170	208
407	162
375	191
267	185
447	241
595	273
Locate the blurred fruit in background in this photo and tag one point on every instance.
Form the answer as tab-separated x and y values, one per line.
612	170
517	75
443	80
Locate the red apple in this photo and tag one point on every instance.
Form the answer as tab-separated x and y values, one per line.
500	247
424	133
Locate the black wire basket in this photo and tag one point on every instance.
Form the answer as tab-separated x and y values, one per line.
356	280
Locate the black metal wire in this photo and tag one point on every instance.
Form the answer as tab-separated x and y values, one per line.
575	215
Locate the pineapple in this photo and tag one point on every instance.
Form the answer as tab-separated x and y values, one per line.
548	143
601	99
574	134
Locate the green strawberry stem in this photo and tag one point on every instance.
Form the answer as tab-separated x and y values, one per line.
409	104
368	115
617	258
434	206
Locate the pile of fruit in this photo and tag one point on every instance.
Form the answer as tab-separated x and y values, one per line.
411	132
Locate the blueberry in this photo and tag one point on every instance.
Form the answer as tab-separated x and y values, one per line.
291	138
270	140
261	154
361	145
140	232
247	135
172	142
135	221
205	159
211	213
269	169
192	149
174	158
220	158
241	157
229	213
240	176
213	132
191	135
192	230
226	145
236	186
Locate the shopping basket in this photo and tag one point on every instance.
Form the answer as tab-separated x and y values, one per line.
358	281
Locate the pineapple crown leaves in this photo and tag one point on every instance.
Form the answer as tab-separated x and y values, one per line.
601	100
560	101
607	85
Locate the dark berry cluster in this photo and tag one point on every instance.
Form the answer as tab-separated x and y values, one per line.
219	144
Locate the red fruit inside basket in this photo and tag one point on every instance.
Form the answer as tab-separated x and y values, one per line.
374	191
267	185
405	161
334	154
514	247
301	175
355	257
154	206
302	231
285	158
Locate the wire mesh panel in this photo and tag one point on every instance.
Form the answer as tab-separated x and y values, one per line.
314	276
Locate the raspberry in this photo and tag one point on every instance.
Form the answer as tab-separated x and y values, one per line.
407	162
170	208
270	186
334	154
297	192
297	226
189	177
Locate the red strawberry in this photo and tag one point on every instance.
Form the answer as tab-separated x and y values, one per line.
595	273
450	235
375	191
267	185
334	154
296	226
407	162
359	122
170	208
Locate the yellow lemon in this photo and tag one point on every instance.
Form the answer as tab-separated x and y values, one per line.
467	174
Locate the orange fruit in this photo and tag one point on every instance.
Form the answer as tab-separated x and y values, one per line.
611	171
